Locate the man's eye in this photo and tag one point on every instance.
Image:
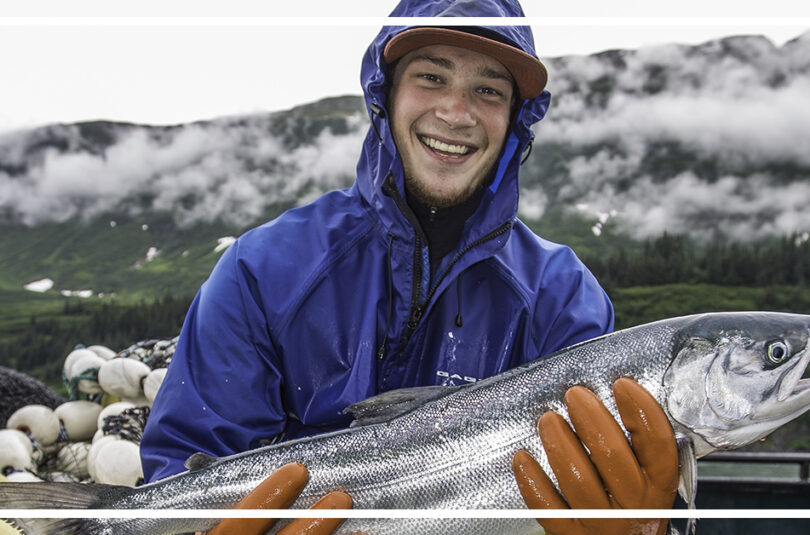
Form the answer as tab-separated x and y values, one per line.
490	91
431	77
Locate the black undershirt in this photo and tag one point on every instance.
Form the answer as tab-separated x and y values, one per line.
443	226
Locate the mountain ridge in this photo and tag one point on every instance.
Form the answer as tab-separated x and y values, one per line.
700	140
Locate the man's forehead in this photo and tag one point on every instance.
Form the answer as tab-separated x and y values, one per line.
456	58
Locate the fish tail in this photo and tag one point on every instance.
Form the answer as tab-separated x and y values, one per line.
57	496
47	526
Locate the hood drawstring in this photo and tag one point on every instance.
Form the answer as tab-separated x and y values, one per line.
459	320
379	112
381	349
528	150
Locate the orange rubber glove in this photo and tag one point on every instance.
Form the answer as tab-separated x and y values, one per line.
615	475
279	491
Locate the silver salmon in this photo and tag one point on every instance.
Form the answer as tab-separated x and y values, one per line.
724	380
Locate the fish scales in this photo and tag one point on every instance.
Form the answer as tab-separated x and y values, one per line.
455	451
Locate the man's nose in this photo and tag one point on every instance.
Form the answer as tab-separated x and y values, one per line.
455	109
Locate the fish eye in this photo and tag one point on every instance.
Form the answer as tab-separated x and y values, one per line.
777	352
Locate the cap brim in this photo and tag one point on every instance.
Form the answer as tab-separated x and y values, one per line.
529	73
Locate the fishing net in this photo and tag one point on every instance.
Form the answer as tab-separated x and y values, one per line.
128	424
18	390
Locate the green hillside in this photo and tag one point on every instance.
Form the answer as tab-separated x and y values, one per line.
110	259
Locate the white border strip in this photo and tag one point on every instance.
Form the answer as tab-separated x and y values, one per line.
404	513
409	21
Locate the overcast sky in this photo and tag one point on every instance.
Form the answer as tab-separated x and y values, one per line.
171	62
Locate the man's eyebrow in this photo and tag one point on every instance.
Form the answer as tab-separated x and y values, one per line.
438	61
484	71
488	72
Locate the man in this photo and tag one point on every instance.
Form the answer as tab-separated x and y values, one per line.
420	274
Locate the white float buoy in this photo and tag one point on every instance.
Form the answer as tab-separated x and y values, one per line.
123	377
72	459
16	450
118	462
22	476
72	357
86	365
18	435
80	419
152	383
103	351
95	448
37	421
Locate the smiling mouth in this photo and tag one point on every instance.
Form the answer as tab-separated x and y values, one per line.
446	148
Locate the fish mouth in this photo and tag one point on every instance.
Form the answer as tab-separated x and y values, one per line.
796	382
804	382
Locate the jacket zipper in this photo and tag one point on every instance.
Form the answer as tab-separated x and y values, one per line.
418	310
491	236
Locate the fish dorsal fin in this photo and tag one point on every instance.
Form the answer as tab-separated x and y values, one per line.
687	484
388	405
199	461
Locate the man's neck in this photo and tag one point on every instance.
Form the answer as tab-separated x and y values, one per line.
443	227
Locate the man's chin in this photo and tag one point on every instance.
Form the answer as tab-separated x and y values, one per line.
441	199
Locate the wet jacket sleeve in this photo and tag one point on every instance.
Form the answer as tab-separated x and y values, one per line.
222	391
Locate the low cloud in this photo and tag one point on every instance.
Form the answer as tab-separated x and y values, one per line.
733	113
742	208
197	172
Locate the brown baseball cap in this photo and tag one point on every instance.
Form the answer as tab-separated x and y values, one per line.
529	73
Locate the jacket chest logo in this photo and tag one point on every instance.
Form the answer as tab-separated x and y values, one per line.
448	375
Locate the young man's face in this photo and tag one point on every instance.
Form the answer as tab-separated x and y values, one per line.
449	114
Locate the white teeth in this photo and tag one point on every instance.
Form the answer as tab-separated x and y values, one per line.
444	147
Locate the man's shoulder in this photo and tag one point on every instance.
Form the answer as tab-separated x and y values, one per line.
315	226
284	256
525	244
537	262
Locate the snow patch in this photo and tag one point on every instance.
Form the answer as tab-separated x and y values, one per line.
42	285
84	294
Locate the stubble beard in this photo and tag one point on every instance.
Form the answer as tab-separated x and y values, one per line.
422	192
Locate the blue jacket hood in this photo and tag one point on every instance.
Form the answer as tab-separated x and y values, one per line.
379	156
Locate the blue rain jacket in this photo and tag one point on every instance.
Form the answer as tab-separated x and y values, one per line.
332	302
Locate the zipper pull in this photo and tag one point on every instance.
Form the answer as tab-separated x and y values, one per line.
415	317
433	211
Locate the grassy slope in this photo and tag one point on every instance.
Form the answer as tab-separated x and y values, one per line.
108	259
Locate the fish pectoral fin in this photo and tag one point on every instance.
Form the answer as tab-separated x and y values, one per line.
687	483
395	403
199	461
